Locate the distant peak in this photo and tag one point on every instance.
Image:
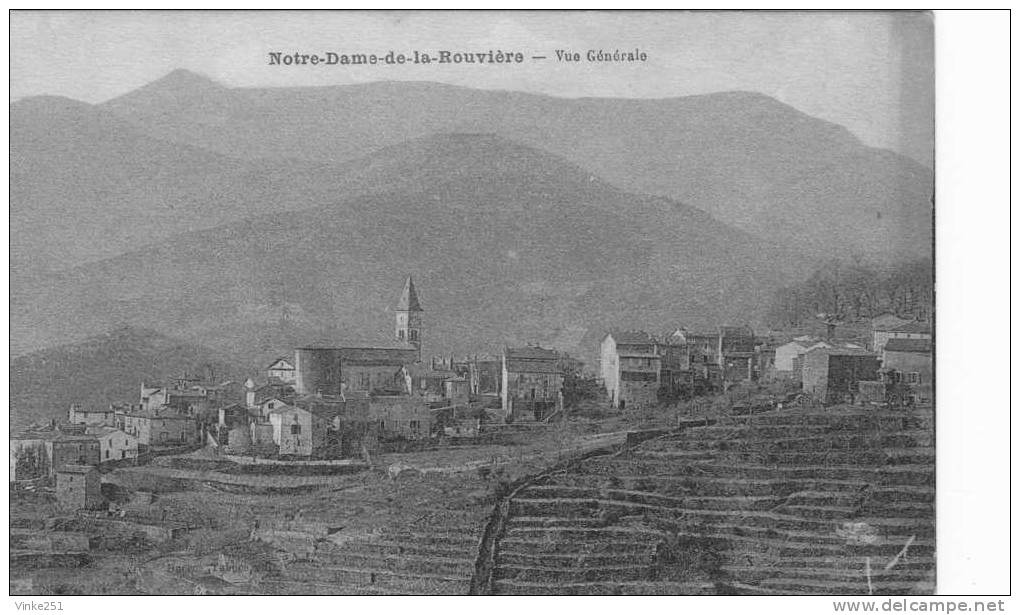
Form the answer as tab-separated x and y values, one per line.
183	78
178	84
49	102
743	97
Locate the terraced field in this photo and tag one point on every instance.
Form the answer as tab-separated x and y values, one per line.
833	501
413	536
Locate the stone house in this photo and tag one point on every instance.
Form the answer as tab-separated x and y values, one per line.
532	383
456	391
232	415
282	369
293	432
907	331
735	353
40	453
484	375
67	450
790	356
188	401
114	444
909	362
703	346
255	393
831	375
401	416
161	428
631	367
79	487
81	415
351	429
266	406
675	376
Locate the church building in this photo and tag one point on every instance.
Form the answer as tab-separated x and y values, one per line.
367	367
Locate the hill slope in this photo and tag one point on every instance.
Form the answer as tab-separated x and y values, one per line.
101	370
506	243
747	159
86	185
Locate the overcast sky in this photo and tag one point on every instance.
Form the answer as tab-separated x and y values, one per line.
871	72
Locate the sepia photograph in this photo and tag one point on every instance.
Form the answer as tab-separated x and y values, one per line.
441	303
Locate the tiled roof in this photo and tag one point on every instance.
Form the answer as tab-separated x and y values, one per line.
320	399
736	331
375	343
710	334
392	353
233	407
632	337
185	393
100	430
286	409
52	436
676	336
93	410
531	352
910	327
843	352
899	344
151	414
532	367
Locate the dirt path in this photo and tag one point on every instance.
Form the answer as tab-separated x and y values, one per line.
246	480
432	462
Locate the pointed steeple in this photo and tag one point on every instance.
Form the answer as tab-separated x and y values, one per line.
409	298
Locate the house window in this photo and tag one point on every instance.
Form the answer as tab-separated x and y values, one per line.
272	405
400	334
123	454
913	377
415	426
414	335
107	454
295	429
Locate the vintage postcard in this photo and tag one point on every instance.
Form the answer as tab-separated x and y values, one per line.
450	303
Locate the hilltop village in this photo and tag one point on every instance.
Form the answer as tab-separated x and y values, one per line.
265	485
350	401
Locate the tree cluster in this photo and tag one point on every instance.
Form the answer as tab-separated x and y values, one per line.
853	291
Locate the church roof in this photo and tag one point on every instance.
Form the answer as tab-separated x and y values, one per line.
409	298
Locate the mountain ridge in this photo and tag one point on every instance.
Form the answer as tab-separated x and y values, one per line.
543	230
736	155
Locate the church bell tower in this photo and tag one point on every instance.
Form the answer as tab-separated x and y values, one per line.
409	316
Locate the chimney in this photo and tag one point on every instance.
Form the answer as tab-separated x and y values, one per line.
830	331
